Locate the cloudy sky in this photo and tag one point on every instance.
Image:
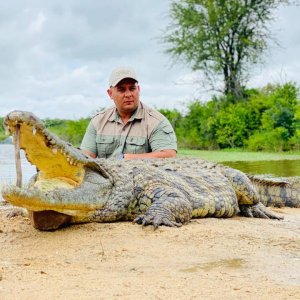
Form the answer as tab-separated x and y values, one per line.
56	55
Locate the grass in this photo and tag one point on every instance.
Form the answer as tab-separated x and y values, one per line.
238	155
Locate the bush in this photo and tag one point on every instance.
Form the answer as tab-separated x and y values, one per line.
68	130
274	141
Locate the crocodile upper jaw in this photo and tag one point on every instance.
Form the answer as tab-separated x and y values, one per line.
53	157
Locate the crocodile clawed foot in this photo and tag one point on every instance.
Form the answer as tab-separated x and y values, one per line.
156	221
258	211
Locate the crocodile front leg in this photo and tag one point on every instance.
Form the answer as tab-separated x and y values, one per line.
167	208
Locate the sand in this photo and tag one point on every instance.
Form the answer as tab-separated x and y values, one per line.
235	258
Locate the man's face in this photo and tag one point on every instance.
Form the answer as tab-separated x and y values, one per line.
126	95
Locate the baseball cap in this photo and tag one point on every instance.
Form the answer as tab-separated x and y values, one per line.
119	74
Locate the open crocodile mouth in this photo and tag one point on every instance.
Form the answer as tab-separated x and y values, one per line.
56	161
63	179
69	186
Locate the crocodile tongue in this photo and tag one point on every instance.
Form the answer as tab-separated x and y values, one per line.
17	155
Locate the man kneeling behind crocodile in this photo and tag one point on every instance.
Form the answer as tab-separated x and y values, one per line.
129	130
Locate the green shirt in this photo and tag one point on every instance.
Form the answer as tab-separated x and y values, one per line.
146	131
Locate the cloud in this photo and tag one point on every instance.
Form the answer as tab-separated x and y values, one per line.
37	24
282	62
56	55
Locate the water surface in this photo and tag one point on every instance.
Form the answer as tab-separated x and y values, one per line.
8	168
284	168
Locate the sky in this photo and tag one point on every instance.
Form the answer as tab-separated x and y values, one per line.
56	56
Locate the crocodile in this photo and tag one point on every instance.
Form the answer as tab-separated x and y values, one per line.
71	187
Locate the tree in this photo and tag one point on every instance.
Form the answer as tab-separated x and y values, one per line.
231	126
220	37
68	130
278	117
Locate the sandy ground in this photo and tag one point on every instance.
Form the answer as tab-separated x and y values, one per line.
236	258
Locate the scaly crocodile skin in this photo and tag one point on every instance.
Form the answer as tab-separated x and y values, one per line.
158	192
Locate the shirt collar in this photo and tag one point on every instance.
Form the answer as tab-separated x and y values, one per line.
138	114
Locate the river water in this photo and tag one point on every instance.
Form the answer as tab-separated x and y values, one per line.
8	168
276	168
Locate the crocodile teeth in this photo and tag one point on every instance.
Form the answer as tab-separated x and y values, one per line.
33	130
73	162
70	160
54	150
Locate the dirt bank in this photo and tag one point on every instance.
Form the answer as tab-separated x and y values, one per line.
209	258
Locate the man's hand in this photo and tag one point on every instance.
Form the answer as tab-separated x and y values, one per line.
89	153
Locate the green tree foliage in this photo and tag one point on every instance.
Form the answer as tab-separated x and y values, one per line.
174	116
279	120
2	131
196	129
268	120
220	38
68	130
231	125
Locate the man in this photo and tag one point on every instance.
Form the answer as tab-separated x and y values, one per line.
130	129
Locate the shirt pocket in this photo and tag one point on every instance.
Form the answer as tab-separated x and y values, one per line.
105	146
136	145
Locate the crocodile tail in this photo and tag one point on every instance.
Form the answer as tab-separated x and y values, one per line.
277	191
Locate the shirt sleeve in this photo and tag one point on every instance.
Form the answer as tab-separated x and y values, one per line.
163	137
89	139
